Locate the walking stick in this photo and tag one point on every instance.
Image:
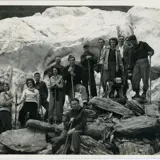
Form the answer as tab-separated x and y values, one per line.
89	79
101	74
72	86
55	104
42	112
150	80
65	146
16	112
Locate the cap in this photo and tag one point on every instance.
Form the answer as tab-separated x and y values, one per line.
132	38
70	56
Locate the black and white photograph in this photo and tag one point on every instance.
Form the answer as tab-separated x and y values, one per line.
79	80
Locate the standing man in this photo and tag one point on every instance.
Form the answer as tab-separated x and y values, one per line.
88	60
73	80
100	61
43	91
58	64
125	53
141	51
74	125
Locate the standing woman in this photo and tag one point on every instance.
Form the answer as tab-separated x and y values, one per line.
6	100
30	97
57	97
112	64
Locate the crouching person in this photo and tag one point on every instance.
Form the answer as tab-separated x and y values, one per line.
74	126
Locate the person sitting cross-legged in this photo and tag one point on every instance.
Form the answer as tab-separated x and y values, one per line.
74	126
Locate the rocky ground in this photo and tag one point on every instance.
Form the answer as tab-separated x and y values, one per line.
113	127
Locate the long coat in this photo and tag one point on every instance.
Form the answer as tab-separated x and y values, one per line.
118	59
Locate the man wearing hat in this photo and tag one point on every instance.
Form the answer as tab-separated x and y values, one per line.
72	76
88	60
140	52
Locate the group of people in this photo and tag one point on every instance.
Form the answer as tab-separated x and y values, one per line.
124	59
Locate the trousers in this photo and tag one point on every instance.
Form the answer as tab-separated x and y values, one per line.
78	88
141	71
74	140
92	83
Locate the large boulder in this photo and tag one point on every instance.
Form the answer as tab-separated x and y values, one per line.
3	150
44	126
136	107
98	131
138	126
110	106
23	140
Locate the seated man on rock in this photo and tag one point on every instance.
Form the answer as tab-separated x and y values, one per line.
74	125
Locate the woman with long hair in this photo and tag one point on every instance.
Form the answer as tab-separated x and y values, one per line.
6	100
57	97
30	98
112	64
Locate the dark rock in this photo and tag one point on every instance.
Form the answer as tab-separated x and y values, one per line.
3	150
98	131
43	126
152	110
23	140
120	100
89	146
136	107
110	106
91	113
137	126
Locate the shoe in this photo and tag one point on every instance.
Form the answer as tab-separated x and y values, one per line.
118	96
85	105
136	95
143	96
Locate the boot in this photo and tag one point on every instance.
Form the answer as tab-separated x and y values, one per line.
85	105
143	96
136	95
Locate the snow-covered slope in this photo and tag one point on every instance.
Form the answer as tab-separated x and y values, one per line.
31	43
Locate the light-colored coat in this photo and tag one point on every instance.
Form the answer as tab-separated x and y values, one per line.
118	59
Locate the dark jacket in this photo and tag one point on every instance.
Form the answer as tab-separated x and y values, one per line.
77	78
80	119
42	88
141	51
92	61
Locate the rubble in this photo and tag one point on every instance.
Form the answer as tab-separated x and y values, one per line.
136	107
110	106
135	148
137	126
90	146
152	110
130	129
3	150
43	126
